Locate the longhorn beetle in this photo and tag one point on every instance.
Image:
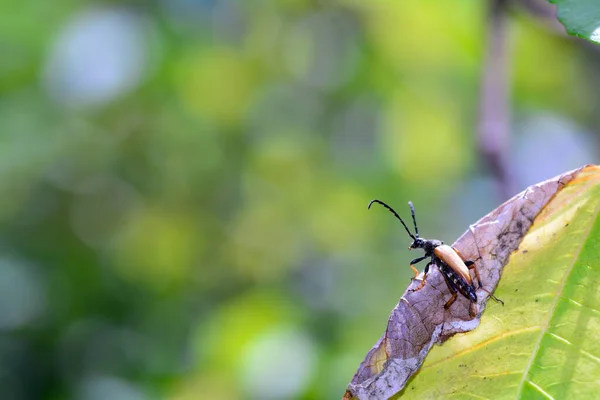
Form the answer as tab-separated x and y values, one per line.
453	267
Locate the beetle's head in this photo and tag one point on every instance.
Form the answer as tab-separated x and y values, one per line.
418	243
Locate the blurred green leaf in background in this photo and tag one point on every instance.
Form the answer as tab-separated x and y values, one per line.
185	182
580	18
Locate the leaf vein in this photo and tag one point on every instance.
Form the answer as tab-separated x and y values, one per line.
542	391
483	344
585	353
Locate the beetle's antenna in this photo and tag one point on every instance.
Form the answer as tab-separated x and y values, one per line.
412	211
395	214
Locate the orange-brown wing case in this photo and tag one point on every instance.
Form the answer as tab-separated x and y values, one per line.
449	256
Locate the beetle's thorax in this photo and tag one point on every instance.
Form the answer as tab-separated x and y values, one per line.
427	245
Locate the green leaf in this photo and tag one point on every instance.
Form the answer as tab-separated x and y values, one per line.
544	342
580	17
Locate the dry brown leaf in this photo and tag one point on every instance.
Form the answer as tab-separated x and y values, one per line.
419	320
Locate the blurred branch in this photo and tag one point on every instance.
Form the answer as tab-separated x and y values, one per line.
494	118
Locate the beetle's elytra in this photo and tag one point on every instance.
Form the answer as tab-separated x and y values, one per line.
453	267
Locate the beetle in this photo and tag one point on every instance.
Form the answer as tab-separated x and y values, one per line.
454	268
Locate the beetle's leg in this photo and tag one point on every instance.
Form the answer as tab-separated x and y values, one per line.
416	260
450	301
420	286
452	289
497	300
427	267
424	277
471	265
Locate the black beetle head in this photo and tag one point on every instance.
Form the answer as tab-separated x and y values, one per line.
418	243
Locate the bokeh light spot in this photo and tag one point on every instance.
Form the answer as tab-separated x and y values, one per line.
108	387
321	50
21	294
156	248
100	54
279	364
216	84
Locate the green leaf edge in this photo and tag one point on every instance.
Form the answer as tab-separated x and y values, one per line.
565	21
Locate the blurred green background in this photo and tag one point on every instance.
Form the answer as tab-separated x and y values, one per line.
185	182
